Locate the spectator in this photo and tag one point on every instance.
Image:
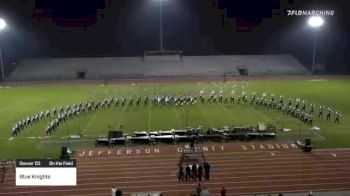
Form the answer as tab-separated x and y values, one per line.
223	191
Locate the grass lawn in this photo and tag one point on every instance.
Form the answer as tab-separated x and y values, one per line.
19	102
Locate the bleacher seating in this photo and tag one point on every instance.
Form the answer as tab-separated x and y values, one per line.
155	67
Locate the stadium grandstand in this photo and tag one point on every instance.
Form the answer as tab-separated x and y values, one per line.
164	66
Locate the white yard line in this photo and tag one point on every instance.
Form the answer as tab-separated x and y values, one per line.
204	115
90	122
178	116
120	120
6	108
149	116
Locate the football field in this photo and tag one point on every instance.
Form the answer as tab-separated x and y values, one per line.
19	102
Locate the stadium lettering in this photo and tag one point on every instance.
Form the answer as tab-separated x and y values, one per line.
139	151
284	145
119	152
294	146
155	151
262	147
202	148
268	147
213	148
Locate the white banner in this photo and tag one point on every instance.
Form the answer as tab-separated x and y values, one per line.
46	176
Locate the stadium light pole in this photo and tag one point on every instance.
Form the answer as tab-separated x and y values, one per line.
161	25
2	27
315	22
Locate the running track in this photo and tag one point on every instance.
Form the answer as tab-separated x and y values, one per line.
245	172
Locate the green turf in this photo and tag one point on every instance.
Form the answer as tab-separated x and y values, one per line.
16	103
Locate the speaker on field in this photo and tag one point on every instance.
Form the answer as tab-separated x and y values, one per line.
308	146
307	142
65	154
115	134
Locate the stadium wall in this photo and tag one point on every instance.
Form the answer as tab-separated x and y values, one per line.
155	67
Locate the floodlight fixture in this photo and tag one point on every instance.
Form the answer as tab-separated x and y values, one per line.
2	24
315	21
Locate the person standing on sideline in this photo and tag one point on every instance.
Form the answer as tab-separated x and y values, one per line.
113	191
194	172
188	173
223	191
181	174
200	173
207	171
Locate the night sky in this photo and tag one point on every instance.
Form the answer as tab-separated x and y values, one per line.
80	28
